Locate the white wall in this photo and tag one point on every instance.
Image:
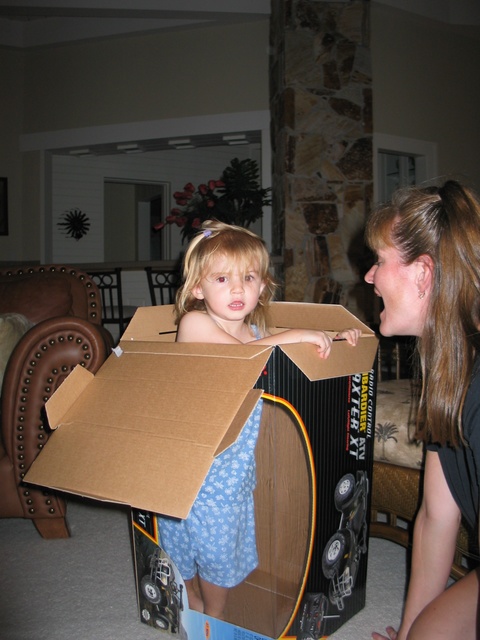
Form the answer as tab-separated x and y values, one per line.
152	76
79	183
425	86
114	81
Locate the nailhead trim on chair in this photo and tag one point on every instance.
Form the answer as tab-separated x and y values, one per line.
36	502
93	294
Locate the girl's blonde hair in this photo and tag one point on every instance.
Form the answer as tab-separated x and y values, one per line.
243	250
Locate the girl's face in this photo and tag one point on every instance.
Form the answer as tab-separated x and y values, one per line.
404	290
229	293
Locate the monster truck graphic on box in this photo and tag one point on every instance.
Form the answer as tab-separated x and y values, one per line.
341	556
163	594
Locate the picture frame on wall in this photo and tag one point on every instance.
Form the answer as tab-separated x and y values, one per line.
3	206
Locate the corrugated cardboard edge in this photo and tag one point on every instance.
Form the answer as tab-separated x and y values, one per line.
201	349
63	398
305	315
156	324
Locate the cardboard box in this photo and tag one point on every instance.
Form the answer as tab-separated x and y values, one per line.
149	424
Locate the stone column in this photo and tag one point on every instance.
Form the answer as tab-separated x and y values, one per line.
321	103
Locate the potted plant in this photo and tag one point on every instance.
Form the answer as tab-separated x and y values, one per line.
236	198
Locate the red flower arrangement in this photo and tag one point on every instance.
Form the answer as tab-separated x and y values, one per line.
236	198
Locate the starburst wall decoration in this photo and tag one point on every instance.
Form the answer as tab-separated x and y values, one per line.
75	223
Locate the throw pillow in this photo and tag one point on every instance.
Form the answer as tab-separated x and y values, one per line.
12	328
395	423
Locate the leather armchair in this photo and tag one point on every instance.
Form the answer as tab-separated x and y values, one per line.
65	306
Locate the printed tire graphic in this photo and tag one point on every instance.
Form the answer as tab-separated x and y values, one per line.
161	622
333	554
344	491
150	590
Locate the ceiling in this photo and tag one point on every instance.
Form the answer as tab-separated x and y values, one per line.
32	23
26	24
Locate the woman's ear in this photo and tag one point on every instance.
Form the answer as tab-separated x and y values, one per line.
425	273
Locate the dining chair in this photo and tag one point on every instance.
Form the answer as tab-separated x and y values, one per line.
109	282
165	282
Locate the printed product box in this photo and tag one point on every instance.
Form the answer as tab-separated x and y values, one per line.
149	424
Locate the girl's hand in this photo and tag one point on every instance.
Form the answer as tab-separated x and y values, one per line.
321	340
391	634
350	335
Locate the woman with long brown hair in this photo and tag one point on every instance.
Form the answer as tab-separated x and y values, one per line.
427	272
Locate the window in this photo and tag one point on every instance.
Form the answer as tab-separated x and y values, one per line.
398	162
395	170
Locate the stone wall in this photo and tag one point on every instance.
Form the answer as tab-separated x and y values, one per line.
321	102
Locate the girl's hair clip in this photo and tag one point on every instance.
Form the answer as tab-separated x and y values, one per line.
207	233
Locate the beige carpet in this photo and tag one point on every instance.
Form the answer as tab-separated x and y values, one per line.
83	588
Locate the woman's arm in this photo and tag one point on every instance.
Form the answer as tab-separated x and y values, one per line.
434	539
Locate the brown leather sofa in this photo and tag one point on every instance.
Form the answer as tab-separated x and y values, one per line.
64	305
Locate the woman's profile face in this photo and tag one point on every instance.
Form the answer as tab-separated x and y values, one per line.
401	288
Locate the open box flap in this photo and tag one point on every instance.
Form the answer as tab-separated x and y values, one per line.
72	388
150	471
343	359
124	467
306	315
146	420
156	324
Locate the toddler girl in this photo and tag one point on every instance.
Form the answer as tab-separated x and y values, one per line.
224	299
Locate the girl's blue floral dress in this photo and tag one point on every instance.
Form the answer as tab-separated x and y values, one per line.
217	540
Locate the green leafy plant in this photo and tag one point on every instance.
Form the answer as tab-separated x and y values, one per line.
236	198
